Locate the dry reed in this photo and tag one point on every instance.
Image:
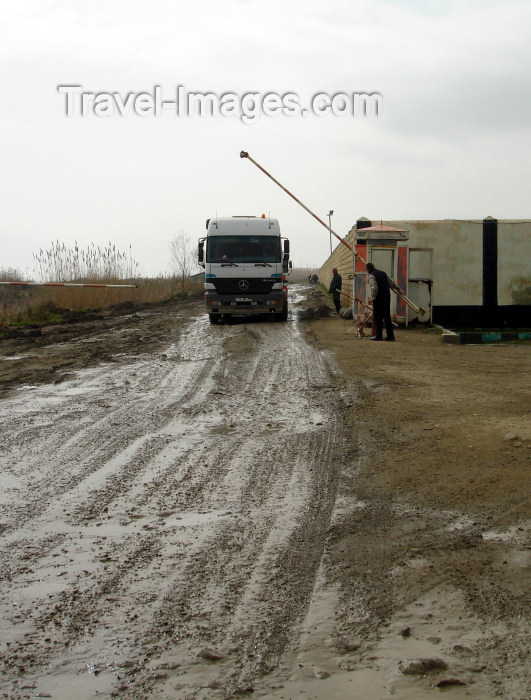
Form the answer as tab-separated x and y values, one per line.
62	264
91	265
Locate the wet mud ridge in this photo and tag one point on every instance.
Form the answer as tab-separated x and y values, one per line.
191	511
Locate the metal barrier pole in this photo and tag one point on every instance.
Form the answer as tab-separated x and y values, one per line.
244	154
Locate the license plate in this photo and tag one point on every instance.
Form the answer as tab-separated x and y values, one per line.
242	299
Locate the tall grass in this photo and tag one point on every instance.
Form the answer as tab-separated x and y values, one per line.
62	264
26	305
91	265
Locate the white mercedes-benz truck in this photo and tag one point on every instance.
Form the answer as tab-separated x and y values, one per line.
246	261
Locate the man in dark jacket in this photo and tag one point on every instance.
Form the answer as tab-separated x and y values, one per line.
380	286
335	289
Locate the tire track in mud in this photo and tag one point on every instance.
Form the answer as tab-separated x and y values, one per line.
189	509
84	452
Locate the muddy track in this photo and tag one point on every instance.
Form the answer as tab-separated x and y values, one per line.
196	512
156	508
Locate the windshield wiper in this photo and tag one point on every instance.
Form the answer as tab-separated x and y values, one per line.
262	265
229	264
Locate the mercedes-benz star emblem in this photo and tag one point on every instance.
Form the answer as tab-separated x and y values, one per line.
243	285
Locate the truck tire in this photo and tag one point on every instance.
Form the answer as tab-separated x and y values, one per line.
283	315
214	319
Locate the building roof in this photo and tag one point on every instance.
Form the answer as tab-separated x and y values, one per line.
381	228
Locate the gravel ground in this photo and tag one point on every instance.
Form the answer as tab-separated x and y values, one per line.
282	509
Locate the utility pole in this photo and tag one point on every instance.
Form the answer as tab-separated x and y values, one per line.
330	227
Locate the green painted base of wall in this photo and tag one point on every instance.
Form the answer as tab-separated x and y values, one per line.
469	337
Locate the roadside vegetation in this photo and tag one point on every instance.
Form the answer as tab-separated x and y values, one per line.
38	305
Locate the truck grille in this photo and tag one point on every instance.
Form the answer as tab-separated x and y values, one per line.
231	286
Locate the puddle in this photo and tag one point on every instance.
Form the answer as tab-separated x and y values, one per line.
85	341
439	624
122	331
85	675
519	534
190	519
461	522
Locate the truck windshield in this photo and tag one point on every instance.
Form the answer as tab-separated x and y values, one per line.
242	249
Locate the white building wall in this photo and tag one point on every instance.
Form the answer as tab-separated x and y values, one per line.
457	258
514	262
457	261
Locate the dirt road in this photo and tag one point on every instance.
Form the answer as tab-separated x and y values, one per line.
190	511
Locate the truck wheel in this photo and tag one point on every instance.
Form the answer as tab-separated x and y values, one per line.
214	319
283	315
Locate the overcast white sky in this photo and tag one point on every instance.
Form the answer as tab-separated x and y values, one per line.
454	141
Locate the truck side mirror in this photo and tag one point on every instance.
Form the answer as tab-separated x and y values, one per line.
201	252
286	246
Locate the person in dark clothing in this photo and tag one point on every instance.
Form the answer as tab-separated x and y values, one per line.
335	289
380	286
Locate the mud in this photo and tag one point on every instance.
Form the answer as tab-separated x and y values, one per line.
282	510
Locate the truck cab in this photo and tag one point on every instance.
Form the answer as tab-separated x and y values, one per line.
246	261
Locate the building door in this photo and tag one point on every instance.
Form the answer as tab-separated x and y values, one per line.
420	282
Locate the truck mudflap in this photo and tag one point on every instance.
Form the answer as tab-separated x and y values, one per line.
275	303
